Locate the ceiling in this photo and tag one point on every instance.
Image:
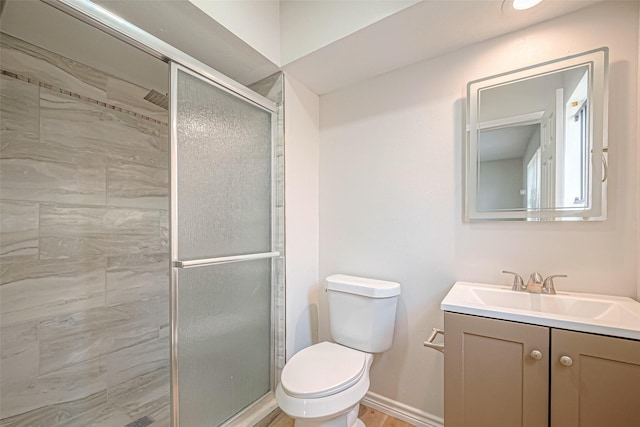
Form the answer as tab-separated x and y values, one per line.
505	143
421	31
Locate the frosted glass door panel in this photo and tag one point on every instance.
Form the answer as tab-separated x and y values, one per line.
224	172
224	340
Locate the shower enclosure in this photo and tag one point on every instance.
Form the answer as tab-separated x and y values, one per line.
141	247
223	249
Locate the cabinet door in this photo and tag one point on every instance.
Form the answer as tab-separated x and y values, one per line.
601	385
491	378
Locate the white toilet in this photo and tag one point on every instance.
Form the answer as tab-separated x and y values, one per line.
322	385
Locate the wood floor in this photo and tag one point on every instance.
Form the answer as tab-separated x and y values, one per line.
370	417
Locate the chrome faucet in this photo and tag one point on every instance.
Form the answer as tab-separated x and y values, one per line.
547	285
534	283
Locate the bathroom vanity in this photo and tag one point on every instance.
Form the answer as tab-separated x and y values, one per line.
521	359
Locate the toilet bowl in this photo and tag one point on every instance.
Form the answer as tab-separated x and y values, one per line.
322	385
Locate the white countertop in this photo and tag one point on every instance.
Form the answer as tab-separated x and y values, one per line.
598	314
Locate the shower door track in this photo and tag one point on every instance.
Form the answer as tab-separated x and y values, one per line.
113	25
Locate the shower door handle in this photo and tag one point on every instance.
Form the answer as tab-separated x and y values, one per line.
222	260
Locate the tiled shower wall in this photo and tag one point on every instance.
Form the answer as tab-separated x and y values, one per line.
83	245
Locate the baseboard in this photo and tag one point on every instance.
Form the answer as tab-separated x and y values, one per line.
401	411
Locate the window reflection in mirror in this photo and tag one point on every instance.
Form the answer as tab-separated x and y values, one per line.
532	133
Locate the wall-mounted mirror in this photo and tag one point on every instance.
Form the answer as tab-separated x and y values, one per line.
536	142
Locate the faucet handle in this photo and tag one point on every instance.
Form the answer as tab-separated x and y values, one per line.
548	286
518	283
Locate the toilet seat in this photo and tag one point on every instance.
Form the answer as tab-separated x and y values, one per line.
322	370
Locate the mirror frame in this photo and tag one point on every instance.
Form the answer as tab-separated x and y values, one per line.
597	61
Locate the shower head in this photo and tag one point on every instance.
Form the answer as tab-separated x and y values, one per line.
157	98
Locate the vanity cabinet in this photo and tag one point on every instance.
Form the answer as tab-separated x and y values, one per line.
501	373
599	382
490	377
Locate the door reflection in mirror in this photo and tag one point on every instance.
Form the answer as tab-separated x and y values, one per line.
533	146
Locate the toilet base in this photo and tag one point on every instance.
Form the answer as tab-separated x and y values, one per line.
348	419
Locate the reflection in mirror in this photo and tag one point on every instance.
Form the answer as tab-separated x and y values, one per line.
531	138
506	179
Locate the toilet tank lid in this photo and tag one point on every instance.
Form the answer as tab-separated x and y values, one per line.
371	288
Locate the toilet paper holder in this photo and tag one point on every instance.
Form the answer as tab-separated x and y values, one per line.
430	341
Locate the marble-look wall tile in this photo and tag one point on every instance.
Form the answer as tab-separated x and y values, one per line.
147	394
140	323
161	414
79	221
132	332
164	230
38	64
91	128
33	290
19	111
138	277
59	414
18	230
84	245
40	172
163	136
137	186
163	310
75	232
73	383
134	362
103	416
77	337
165	331
131	97
19	352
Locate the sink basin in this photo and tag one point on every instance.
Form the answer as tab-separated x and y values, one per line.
556	304
601	314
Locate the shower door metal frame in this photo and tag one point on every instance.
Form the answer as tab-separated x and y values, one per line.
112	24
102	19
178	264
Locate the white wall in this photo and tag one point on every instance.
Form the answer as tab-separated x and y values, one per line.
301	214
286	30
499	184
390	190
306	26
638	166
257	22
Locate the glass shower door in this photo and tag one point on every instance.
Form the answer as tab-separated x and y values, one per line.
222	250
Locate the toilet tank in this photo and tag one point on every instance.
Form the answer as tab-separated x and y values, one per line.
362	312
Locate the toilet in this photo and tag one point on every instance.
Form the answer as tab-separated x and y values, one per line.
322	385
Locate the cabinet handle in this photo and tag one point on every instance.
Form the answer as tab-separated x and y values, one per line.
566	361
536	354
